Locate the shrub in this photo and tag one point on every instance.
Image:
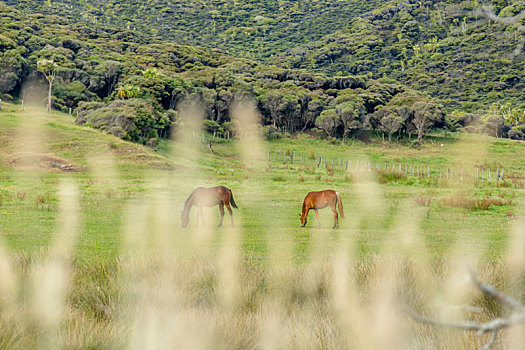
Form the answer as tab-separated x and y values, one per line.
133	119
516	134
390	176
279	178
475	203
423	201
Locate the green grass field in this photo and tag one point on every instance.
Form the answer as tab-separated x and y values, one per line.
125	188
273	195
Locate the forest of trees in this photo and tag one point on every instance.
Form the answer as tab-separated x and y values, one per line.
382	71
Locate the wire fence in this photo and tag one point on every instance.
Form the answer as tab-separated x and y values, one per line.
480	173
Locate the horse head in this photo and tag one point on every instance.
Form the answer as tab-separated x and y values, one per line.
303	220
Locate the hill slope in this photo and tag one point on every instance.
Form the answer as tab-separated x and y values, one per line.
254	29
446	49
336	84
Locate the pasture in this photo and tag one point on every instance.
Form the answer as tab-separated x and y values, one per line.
129	258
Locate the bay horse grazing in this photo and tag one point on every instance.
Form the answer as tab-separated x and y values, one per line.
208	197
319	200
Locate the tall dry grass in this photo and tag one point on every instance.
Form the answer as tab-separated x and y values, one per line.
174	288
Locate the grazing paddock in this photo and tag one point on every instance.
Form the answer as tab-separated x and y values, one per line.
98	258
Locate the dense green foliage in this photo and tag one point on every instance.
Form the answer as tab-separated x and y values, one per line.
396	69
254	29
446	49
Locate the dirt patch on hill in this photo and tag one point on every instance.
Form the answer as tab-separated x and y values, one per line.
42	162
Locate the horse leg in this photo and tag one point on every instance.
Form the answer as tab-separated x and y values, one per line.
200	214
336	216
197	216
221	209
229	211
317	216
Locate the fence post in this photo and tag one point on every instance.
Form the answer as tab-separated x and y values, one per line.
0	104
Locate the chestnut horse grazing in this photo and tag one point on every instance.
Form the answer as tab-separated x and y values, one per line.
208	197
319	200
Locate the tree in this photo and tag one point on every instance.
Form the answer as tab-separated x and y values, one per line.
350	113
494	125
328	121
49	69
151	73
313	109
128	91
390	124
425	115
283	107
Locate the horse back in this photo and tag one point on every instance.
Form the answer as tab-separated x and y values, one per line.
320	199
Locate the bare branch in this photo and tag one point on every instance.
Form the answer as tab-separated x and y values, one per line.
517	316
487	12
495	294
466	307
480	328
515	21
491	342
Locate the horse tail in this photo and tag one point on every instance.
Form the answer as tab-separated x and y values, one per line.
189	197
340	202
232	201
